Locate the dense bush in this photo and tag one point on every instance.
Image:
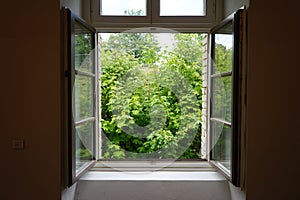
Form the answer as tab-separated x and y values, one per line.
151	99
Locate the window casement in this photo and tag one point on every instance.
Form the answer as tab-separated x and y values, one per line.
226	88
81	99
227	94
153	13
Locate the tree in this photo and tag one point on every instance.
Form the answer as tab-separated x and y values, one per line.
140	51
223	63
142	46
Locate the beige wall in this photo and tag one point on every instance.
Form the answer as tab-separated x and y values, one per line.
273	99
30	99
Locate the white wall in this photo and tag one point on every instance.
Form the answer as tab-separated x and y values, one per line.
231	6
159	185
236	193
69	193
149	190
74	5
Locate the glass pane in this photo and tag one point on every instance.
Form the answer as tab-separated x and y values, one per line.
221	98
84	52
218	98
123	8
223	54
182	8
221	139
228	96
83	97
84	144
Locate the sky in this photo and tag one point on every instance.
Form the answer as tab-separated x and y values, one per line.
166	40
224	39
168	7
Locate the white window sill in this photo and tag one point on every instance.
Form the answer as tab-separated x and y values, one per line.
140	181
153	176
153	171
152	165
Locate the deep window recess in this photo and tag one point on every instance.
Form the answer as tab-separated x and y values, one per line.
224	109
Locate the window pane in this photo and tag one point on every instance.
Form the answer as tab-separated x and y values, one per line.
83	91
221	138
222	97
218	98
223	54
123	8
84	59
84	144
182	8
228	96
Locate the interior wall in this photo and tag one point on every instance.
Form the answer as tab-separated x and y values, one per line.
30	100
231	6
30	85
75	5
273	101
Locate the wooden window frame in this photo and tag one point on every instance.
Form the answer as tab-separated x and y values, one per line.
152	18
238	80
69	151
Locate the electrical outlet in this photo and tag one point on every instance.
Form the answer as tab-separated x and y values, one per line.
18	144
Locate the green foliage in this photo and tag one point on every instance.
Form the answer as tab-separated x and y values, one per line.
133	12
83	90
140	55
223	86
83	154
223	58
189	48
142	46
126	51
83	45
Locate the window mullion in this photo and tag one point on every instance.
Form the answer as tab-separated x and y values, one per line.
88	74
222	74
153	18
221	121
85	120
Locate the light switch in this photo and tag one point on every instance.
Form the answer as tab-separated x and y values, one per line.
18	144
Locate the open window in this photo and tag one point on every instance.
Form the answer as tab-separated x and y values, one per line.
226	96
225	77
81	96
